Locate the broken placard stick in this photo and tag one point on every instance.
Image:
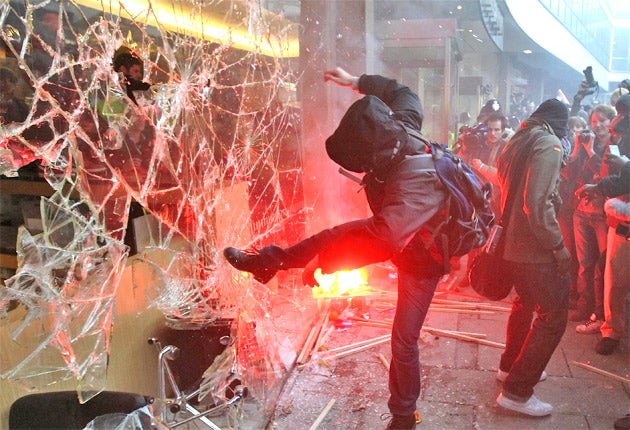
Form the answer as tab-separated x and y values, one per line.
374	324
360	348
462	306
465	338
323	414
602	372
312	337
465	333
322	339
322	332
342	351
385	337
474	305
460	311
383	360
307	345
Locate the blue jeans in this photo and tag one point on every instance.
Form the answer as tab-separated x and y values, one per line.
418	275
530	346
414	297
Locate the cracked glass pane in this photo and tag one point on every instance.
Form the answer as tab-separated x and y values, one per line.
182	114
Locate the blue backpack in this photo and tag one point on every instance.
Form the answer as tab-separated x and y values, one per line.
469	216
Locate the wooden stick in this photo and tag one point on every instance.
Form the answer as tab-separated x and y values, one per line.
357	344
383	360
322	331
477	305
307	345
465	338
322	339
312	336
361	348
461	311
460	306
602	372
384	323
375	324
323	414
465	333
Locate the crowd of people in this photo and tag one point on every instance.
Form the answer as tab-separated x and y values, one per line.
583	218
574	257
560	187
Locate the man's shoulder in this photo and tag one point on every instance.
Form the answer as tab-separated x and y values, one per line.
536	135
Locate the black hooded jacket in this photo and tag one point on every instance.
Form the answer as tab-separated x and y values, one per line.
402	187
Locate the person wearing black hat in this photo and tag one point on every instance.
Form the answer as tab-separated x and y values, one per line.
130	66
534	251
405	195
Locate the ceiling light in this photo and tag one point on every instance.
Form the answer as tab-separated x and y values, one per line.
279	38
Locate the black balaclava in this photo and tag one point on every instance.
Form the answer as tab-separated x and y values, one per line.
556	114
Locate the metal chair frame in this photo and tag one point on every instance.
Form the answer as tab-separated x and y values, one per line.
181	400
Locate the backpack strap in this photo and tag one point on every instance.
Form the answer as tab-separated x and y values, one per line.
416	134
440	239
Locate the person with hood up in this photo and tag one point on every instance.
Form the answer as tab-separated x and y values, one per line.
405	196
534	250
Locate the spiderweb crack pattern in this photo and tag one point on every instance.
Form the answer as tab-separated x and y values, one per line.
215	119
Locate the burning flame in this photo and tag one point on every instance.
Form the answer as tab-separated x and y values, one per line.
342	283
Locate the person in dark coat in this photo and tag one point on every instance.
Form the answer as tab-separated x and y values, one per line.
405	196
534	250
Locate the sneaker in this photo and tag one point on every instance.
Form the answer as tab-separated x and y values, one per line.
591	326
250	261
502	375
606	345
402	422
533	406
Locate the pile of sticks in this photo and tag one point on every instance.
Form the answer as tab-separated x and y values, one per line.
321	330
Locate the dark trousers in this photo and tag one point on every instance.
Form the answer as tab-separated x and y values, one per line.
298	255
529	346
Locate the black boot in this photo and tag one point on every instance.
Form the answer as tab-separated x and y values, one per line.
250	261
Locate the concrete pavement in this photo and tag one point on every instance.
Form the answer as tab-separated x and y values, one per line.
459	384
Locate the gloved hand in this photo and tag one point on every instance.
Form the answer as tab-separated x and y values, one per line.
308	274
563	260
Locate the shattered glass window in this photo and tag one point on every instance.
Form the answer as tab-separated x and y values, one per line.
201	139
